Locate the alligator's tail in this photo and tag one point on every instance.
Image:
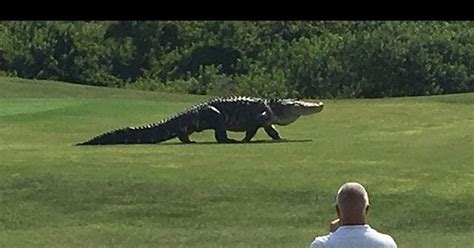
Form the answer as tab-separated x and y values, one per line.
150	134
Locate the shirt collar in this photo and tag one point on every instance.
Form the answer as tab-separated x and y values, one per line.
353	227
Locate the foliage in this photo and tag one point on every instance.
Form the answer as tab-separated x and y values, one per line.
318	59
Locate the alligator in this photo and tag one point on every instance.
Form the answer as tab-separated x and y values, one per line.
238	114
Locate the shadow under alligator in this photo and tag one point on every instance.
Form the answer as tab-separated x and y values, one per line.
238	143
216	143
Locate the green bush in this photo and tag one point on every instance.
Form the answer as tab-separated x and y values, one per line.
317	59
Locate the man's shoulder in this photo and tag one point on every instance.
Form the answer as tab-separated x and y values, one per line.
370	238
320	241
389	241
383	238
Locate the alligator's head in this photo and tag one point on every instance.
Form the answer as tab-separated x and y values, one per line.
286	111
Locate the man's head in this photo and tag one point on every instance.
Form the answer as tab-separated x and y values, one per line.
352	202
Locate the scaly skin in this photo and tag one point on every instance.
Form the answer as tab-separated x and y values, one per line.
240	114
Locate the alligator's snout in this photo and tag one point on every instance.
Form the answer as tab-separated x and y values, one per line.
315	106
306	108
319	104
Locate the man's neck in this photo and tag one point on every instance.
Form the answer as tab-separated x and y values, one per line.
352	222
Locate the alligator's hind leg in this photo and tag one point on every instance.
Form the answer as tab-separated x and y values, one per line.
249	134
272	132
260	121
185	139
221	136
216	119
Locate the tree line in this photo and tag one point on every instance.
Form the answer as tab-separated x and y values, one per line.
313	59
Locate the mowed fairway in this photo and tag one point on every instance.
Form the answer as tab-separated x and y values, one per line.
415	155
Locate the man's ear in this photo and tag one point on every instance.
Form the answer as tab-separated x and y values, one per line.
367	209
338	211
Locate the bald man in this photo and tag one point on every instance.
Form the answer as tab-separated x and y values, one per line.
351	230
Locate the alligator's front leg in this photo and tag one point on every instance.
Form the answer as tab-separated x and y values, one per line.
272	132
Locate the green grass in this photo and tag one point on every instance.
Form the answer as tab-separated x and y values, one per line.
415	155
